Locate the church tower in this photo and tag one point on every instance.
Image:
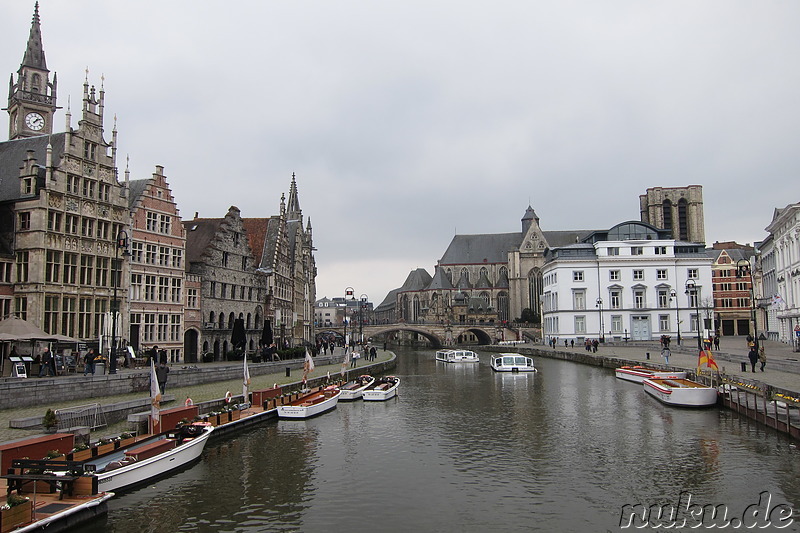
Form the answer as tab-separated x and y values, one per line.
32	99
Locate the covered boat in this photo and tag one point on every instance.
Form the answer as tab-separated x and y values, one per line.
512	362
457	356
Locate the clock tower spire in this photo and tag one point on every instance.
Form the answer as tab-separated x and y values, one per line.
32	99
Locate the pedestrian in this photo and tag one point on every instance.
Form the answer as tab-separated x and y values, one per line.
595	344
665	353
753	356
373	353
162	370
572	343
152	356
88	362
46	362
762	357
716	342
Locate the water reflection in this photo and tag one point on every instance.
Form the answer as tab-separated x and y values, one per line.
463	448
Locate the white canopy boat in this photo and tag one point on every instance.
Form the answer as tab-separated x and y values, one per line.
680	392
311	404
150	458
512	362
637	374
457	356
383	389
352	390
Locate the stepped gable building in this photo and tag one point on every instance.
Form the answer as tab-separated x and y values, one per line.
678	210
61	207
732	290
158	293
217	251
284	250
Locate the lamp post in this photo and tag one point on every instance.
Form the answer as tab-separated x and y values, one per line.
743	268
122	243
362	306
691	291
600	310
349	291
673	294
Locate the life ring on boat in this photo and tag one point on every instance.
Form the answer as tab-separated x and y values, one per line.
228	397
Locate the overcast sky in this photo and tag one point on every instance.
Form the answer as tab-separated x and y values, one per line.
409	121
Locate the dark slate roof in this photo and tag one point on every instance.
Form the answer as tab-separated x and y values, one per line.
417	280
136	189
483	282
557	239
389	302
14	153
483	248
199	234
440	281
502	283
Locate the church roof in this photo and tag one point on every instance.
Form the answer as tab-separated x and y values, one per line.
389	302
440	281
14	153
417	280
482	248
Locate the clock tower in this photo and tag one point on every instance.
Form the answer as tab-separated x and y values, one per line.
32	99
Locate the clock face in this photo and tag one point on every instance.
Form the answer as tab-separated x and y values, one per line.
34	121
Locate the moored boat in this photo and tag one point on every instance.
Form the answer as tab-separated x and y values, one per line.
150	458
512	362
382	389
680	392
457	356
353	389
637	374
311	404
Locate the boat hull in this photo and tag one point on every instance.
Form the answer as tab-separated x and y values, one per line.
638	374
355	389
457	356
298	411
147	469
692	395
512	362
377	394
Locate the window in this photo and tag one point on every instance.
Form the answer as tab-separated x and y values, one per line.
71	224
104	192
149	327
87	270
27	186
663	322
163	289
89	150
661	273
21	307
73	184
613	275
51	306
88	188
191	298
69	315
150	252
223	290
638	299
100	308
163	327
136	287
638	275
150	288
637	250
244	262
663	298
225	257
87	227
53	221
212	289
176	290
743	302
165	224
177	258
580	325
691	273
661	250
616	298
22	267
577	275
163	255
70	269
616	323
137	251
101	272
24	221
84	318
175	328
152	221
102	229
52	267
579	300
613	250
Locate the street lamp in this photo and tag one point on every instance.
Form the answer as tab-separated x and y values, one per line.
673	294
122	244
362	307
743	269
691	291
349	291
600	310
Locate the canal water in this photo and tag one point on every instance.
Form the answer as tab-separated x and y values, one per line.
466	449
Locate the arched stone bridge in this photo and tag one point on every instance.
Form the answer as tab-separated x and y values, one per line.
437	334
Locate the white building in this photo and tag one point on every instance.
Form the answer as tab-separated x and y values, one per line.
630	282
780	254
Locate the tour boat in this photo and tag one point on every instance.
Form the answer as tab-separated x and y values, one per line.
637	374
311	404
680	392
457	356
382	389
150	458
512	362
352	390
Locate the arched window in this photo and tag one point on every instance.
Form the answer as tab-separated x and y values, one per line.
666	214
502	306
683	220
249	318
535	291
221	321
465	274
485	297
231	319
211	317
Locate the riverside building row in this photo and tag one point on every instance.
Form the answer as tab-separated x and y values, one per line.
82	251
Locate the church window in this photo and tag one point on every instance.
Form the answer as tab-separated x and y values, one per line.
683	222
36	83
666	215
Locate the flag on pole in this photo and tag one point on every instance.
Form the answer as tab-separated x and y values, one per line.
707	358
245	382
155	399
308	366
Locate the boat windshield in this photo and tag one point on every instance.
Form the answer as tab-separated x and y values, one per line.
521	360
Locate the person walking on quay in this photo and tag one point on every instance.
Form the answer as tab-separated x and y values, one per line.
716	343
373	354
762	357
88	362
572	343
46	362
162	370
753	356
595	344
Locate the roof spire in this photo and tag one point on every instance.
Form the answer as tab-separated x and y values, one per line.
293	205
34	53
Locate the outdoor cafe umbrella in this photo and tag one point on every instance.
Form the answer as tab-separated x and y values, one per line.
19	329
266	334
